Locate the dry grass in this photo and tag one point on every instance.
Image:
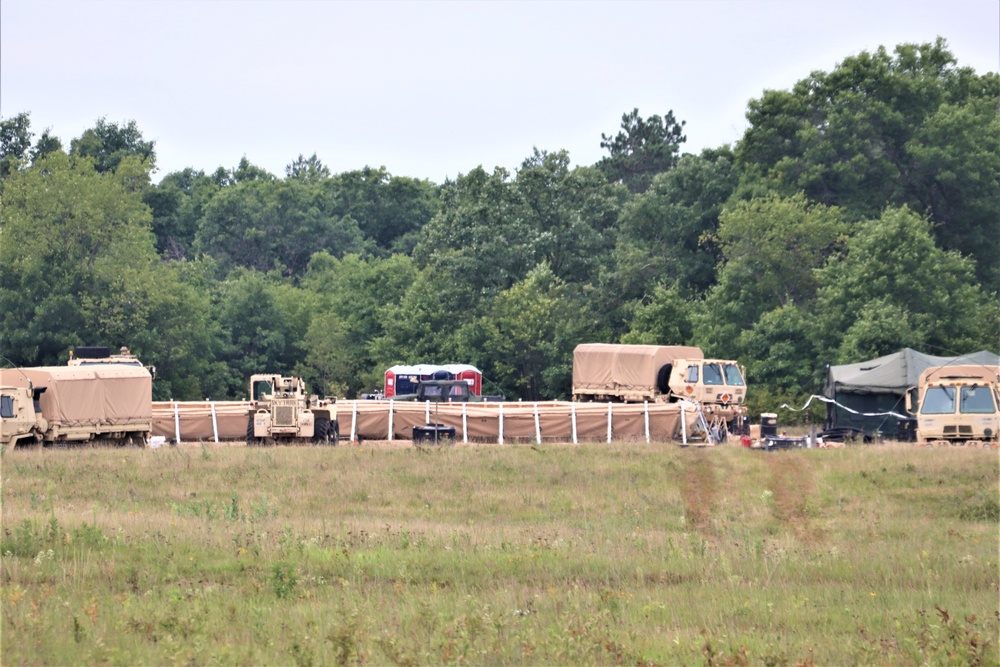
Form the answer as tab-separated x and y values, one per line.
793	487
597	554
698	488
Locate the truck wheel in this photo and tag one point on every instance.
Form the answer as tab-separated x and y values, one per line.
663	378
251	439
321	431
335	433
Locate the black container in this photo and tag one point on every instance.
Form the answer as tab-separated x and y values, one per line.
431	433
906	430
768	424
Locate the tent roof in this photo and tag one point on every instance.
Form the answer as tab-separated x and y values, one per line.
894	373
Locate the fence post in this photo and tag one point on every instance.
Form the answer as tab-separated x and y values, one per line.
609	422
684	430
573	419
177	424
390	420
215	423
354	423
500	432
647	422
465	425
538	427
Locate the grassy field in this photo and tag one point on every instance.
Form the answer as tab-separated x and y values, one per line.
624	554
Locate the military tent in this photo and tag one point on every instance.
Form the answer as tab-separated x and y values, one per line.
879	386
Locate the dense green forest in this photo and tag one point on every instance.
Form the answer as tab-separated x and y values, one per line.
858	214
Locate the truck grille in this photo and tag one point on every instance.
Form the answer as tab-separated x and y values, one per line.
284	415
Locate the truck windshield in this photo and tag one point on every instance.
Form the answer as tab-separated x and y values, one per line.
7	407
976	400
938	401
260	388
432	391
733	375
712	374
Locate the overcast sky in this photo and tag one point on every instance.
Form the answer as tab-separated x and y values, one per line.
434	89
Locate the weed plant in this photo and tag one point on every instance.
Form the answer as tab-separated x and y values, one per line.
625	554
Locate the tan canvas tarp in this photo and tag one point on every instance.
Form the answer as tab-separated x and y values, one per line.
605	366
111	394
482	421
198	420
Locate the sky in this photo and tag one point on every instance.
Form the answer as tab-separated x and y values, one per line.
434	89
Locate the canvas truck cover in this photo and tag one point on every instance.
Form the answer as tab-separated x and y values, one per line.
894	373
602	366
89	395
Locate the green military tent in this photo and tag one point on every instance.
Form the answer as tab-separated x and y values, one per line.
870	396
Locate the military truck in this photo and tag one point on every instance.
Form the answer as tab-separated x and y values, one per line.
663	374
957	405
281	411
101	404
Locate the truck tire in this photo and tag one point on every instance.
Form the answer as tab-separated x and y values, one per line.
663	378
334	432
251	438
321	431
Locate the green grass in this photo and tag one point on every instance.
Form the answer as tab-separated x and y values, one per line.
597	554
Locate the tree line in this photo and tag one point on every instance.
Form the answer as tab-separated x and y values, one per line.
859	213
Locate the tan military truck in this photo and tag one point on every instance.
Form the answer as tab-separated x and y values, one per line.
281	411
957	406
102	404
662	374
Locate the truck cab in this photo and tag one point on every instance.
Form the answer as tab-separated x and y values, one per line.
709	381
958	405
21	421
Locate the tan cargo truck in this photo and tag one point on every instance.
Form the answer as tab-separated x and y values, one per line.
105	404
282	411
662	374
957	406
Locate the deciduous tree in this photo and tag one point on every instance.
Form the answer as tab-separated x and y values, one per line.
264	225
107	144
895	288
668	233
908	128
771	249
15	141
